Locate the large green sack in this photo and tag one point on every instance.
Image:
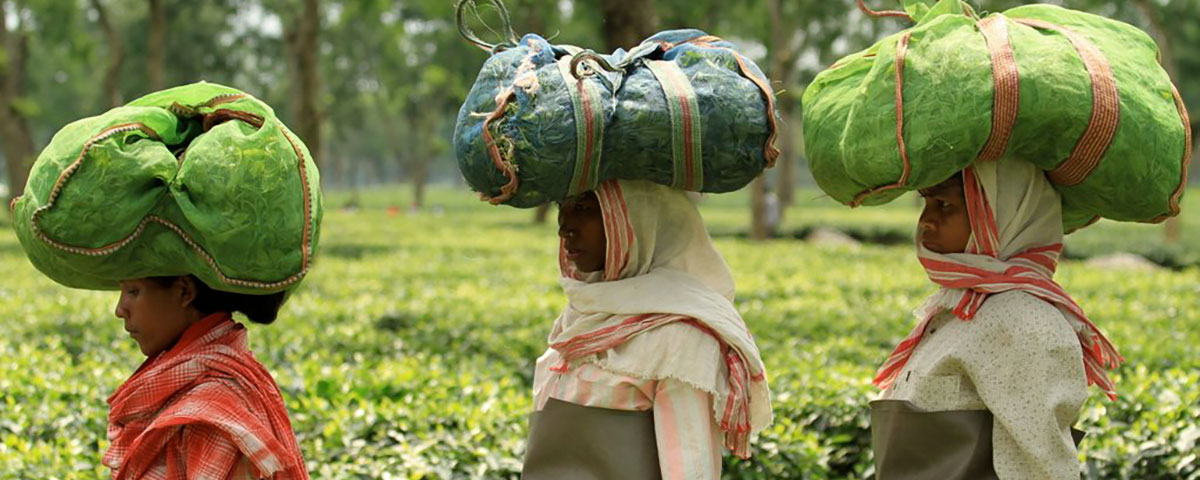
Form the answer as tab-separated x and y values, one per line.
200	179
1082	96
544	122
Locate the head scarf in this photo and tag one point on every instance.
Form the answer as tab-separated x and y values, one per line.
168	392
1016	239
661	268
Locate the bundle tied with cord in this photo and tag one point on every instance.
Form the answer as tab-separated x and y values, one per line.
200	179
544	122
1081	96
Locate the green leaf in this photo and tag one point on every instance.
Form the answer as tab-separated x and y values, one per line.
943	7
917	8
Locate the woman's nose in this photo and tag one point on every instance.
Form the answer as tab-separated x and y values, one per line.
927	222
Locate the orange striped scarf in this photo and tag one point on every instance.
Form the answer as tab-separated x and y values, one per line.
1030	271
148	412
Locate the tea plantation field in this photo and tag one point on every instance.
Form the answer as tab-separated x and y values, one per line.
408	352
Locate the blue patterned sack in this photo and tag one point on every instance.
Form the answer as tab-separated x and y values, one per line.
544	122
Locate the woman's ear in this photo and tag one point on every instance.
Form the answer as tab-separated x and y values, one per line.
187	290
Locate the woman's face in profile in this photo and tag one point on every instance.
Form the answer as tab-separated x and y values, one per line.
581	227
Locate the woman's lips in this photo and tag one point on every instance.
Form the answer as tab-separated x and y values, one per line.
926	241
574	254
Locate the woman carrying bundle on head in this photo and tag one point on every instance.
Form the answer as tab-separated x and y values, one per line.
196	203
650	371
1017	128
1002	352
201	405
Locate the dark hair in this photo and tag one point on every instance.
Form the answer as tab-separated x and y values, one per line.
955	180
258	308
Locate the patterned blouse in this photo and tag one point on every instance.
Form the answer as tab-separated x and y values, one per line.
1017	358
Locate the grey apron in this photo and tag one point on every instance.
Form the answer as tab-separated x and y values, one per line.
911	443
573	442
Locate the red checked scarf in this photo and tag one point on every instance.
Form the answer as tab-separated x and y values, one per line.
209	379
661	268
1018	253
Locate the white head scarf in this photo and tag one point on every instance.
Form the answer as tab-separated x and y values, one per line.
1016	239
650	227
1027	212
661	268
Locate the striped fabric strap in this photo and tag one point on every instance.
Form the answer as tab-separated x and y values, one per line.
617	227
1106	108
587	104
1006	96
985	239
685	124
770	151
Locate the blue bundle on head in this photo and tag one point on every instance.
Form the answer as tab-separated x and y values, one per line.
544	122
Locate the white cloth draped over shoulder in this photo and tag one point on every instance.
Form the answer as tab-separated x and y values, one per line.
662	269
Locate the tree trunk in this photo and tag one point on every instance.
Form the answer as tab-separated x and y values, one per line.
1195	149
421	157
627	22
378	171
155	46
541	214
785	174
420	177
758	208
116	55
342	171
302	48
15	134
782	61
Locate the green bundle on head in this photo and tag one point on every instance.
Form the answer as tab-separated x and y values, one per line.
200	179
1079	95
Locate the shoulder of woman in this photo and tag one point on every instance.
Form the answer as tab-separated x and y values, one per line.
210	398
213	391
675	338
688	330
194	433
1022	315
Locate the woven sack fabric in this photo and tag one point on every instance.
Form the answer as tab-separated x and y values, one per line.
200	179
544	122
1079	95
